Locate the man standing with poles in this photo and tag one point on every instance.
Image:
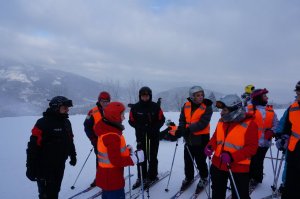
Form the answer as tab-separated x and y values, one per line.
234	143
194	127
147	118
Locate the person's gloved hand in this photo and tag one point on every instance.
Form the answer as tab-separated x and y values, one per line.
139	146
137	157
269	134
178	133
282	142
129	147
208	150
73	160
226	157
186	132
31	174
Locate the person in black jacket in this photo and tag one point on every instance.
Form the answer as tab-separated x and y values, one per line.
147	118
51	143
194	126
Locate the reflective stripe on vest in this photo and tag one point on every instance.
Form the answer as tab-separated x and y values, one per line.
102	156
96	115
234	141
195	117
294	118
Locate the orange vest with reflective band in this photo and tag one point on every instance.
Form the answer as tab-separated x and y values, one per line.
234	141
96	115
102	155
262	124
172	130
195	117
294	117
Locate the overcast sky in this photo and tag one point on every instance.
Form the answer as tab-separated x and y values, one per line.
221	45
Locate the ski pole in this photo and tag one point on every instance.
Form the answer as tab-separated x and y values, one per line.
192	158
73	187
129	181
194	163
272	161
172	166
209	177
233	182
142	180
276	164
278	172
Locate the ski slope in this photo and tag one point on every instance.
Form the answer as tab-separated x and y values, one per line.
15	132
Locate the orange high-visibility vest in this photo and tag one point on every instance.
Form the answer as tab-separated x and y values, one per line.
102	155
262	124
234	141
294	117
96	115
195	117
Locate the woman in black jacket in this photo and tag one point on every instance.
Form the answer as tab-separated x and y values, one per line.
51	143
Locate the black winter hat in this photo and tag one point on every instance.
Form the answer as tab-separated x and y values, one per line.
145	90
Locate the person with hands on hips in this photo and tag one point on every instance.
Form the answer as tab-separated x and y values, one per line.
50	145
233	144
112	152
194	126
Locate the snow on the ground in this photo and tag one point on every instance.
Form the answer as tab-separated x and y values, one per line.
15	132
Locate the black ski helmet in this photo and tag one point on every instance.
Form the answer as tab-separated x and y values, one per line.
58	101
145	90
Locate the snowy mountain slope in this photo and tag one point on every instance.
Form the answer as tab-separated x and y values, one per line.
15	185
24	90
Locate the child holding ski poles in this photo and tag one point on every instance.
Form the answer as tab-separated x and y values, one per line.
234	143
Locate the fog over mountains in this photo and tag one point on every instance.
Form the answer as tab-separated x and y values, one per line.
24	90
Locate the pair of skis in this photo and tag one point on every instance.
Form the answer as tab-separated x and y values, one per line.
137	194
181	191
91	188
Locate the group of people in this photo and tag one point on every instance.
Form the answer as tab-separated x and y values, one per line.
238	145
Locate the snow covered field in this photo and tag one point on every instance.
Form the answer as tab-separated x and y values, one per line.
15	132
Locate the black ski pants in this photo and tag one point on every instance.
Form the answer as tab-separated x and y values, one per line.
150	147
257	164
196	153
292	182
219	181
49	188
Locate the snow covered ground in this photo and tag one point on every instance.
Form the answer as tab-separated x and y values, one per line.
15	132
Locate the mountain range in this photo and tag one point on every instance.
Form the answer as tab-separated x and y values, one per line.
26	90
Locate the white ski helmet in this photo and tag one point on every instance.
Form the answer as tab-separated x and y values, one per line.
234	105
230	101
195	89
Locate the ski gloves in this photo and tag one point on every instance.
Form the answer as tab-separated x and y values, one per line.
282	142
73	160
137	157
31	173
208	150
185	132
226	157
268	134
